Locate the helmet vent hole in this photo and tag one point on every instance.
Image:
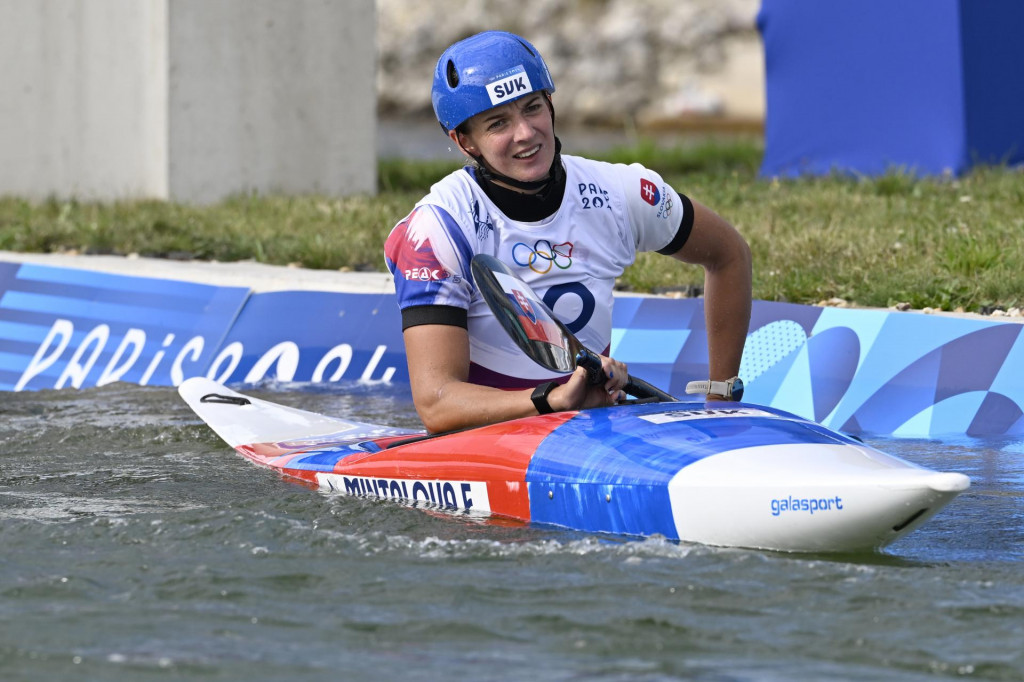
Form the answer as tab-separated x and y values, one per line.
528	49
453	75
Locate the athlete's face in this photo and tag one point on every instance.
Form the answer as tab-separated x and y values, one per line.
516	139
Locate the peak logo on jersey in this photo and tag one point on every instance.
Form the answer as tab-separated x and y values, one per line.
649	192
509	86
414	264
425	274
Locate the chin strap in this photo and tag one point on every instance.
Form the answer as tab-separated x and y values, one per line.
488	174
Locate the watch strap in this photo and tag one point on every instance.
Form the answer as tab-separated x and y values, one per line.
540	397
722	388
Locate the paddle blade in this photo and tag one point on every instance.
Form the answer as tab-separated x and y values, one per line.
524	316
536	330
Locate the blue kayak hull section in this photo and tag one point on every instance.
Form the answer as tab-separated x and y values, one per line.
609	469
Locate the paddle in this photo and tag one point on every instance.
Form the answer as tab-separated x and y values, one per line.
537	331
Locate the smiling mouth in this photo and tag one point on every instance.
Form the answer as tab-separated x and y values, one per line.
529	153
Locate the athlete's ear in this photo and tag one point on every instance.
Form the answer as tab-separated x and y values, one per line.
462	142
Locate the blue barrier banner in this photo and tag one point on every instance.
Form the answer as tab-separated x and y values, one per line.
61	327
309	336
863	371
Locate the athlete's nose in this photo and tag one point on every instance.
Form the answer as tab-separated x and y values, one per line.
522	129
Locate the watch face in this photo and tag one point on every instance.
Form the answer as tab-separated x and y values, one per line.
737	389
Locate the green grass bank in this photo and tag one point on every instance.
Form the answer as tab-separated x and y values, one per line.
949	243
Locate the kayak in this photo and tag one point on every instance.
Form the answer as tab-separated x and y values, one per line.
725	474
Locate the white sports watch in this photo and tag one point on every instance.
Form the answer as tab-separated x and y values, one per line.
730	390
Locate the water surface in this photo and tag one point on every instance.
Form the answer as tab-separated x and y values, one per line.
137	546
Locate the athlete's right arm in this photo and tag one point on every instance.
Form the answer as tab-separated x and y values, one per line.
438	357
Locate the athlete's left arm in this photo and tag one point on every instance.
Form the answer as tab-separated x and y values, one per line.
722	251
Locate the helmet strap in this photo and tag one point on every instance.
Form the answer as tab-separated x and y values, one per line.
526	206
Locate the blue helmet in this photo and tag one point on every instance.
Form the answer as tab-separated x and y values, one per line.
484	71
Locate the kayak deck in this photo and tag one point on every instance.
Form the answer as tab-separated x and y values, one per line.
722	474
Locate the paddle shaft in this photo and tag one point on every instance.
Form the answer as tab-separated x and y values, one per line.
634	387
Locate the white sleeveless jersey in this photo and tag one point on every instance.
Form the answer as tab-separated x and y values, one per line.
571	259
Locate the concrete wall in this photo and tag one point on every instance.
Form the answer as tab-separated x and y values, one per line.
188	100
83	98
272	95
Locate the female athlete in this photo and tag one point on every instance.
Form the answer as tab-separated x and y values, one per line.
566	225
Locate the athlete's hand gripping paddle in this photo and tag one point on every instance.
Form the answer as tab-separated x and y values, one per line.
537	331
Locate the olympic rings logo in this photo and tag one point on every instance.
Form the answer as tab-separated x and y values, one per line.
543	256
